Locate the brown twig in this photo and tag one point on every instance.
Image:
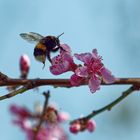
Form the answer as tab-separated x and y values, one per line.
24	88
47	95
110	105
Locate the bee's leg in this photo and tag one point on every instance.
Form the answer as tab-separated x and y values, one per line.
48	56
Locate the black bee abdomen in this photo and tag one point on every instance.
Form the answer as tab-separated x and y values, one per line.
38	51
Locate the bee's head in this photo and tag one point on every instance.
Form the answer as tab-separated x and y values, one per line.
50	42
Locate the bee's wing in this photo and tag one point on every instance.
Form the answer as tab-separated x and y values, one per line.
31	37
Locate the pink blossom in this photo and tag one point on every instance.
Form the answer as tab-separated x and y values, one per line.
63	116
24	124
76	80
75	128
93	70
21	112
63	62
24	65
66	48
81	125
48	131
91	125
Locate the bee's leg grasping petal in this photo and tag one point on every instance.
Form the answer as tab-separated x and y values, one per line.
49	56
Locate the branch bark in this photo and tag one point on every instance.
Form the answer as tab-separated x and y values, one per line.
63	82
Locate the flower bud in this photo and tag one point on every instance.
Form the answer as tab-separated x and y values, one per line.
63	116
91	125
75	128
24	65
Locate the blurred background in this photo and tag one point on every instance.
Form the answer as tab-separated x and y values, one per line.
111	26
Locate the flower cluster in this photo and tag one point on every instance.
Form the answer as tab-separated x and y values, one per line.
92	71
82	125
51	128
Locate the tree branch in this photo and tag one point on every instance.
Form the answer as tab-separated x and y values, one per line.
110	105
18	91
63	82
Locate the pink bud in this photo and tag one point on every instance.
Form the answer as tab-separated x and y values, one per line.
63	116
24	65
91	125
75	128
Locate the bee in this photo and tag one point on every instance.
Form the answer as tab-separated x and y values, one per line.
44	45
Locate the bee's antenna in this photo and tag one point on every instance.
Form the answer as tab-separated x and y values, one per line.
60	35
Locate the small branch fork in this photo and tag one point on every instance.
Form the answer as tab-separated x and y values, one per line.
47	95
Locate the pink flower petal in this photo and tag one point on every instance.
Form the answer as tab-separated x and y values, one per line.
62	63
107	77
22	112
60	68
76	80
93	70
24	65
24	60
82	71
94	84
69	58
95	53
91	125
63	116
84	57
66	47
75	128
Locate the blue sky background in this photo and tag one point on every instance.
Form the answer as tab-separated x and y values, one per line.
111	26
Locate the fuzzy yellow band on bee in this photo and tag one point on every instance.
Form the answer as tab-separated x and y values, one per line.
41	46
40	52
41	58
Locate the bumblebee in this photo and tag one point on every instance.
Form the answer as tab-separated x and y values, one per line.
44	45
